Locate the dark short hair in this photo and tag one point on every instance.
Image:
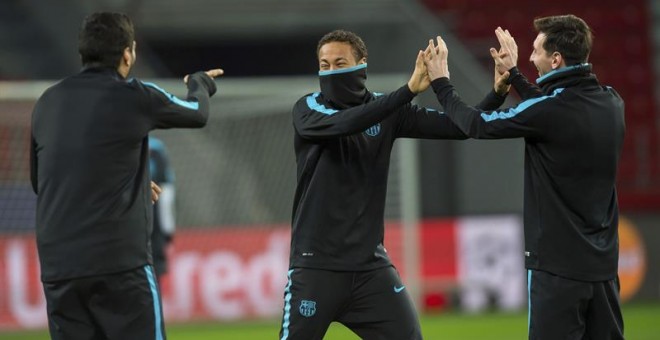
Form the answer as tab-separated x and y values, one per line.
357	45
566	34
103	38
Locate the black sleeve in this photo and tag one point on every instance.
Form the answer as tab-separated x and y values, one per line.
312	120
507	123
420	122
168	111
33	165
492	101
525	89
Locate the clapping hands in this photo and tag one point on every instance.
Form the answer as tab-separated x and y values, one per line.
429	65
435	59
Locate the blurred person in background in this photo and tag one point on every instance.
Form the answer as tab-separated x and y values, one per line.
344	134
164	214
89	169
573	129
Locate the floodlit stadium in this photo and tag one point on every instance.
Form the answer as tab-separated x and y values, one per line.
453	211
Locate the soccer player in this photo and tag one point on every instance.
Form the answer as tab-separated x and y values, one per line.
573	129
339	268
90	170
164	215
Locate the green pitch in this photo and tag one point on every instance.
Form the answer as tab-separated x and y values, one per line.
641	323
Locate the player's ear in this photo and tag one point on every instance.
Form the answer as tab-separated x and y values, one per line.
557	60
129	56
362	61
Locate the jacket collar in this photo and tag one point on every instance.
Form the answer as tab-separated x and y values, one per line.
565	77
101	69
564	72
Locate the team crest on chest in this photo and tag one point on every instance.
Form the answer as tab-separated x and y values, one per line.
373	131
307	308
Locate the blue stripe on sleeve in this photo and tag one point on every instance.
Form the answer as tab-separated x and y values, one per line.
314	105
187	104
287	307
512	112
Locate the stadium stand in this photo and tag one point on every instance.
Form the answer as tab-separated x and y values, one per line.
622	58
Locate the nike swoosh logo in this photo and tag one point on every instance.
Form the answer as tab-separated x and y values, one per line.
399	289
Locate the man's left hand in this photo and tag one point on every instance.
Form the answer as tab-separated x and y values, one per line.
499	84
435	59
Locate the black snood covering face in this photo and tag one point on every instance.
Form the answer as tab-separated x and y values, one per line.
344	87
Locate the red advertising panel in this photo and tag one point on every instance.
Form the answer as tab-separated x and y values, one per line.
224	273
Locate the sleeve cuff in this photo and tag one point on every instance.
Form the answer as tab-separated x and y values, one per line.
208	82
498	96
405	90
439	83
513	73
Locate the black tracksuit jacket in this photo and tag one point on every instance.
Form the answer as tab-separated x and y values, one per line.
343	158
90	169
573	129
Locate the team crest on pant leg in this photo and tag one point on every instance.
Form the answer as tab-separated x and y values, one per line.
373	131
307	308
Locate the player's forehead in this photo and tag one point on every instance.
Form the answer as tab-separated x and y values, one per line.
538	42
336	50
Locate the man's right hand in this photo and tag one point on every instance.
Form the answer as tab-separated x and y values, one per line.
214	73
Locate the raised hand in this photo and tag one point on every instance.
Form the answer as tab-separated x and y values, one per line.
435	59
419	80
507	56
500	79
